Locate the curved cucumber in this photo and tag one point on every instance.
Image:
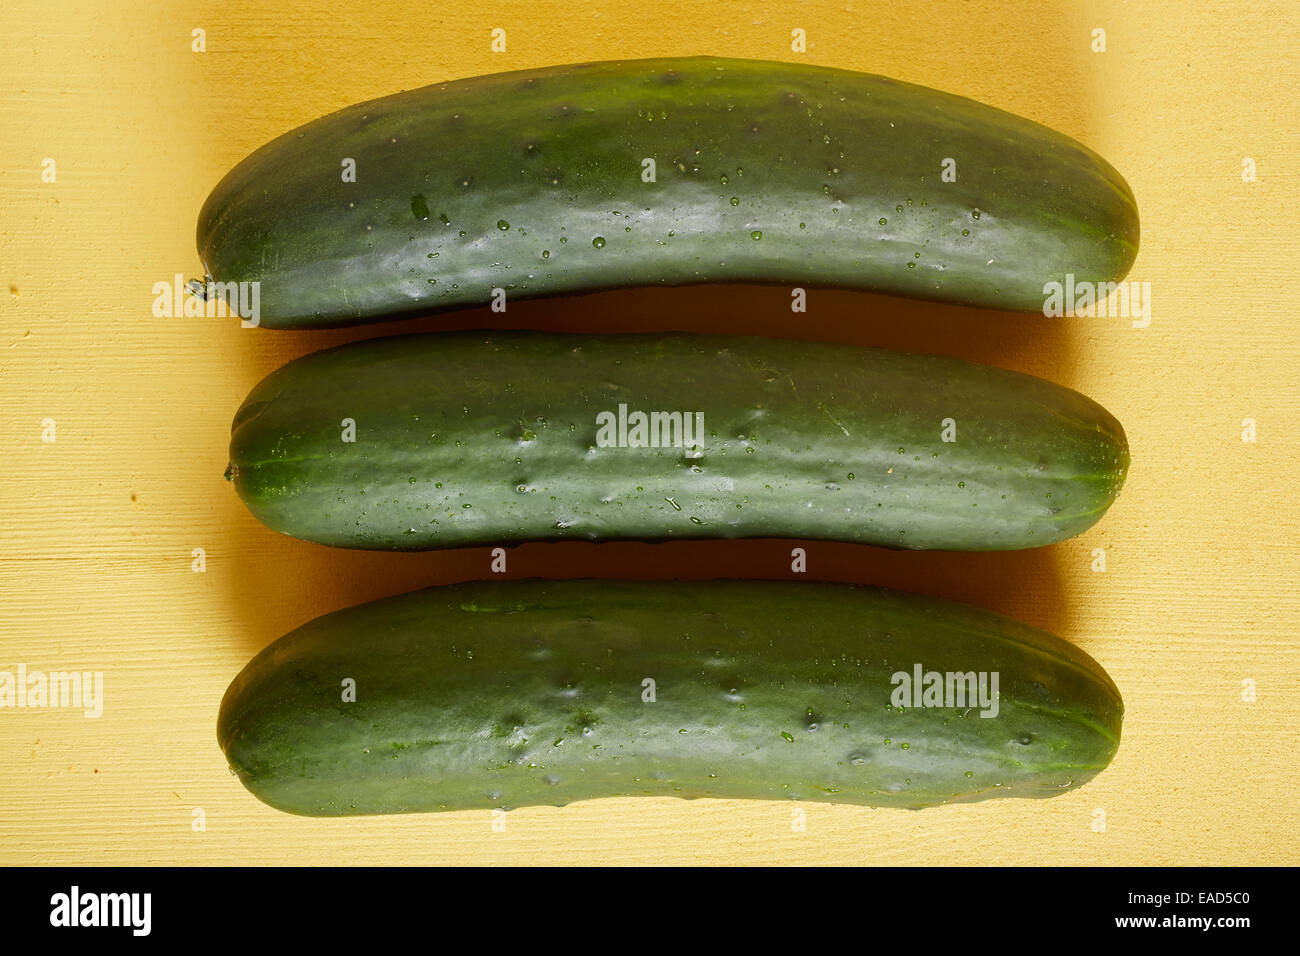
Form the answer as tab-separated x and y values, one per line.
478	438
535	692
536	183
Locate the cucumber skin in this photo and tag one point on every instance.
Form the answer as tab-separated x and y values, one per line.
500	695
443	455
815	158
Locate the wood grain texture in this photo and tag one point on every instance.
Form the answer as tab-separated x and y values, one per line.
97	528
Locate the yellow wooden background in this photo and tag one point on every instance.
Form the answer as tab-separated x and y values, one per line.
97	528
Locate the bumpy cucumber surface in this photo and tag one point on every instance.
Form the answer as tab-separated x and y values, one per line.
532	692
535	182
476	438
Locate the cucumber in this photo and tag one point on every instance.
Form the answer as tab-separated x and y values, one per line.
535	692
478	438
534	182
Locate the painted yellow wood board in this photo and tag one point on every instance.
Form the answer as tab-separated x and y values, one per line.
98	528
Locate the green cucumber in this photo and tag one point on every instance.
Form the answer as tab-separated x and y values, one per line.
535	692
534	182
478	438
